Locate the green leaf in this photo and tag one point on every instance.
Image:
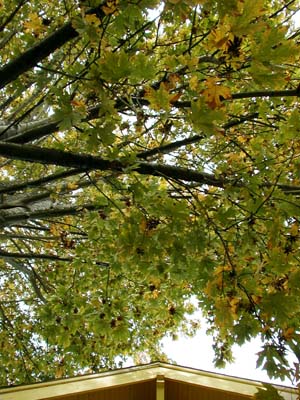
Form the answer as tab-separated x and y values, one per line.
268	392
205	119
114	66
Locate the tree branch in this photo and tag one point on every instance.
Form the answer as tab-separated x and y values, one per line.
86	161
248	95
41	155
51	257
41	50
25	133
35	54
11	189
12	15
8	218
167	148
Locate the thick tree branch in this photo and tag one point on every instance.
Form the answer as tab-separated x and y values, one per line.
8	218
40	51
41	238
248	95
35	54
29	273
85	161
167	148
29	133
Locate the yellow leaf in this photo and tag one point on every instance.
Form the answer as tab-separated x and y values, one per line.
59	372
72	186
294	230
34	24
160	98
288	333
175	98
110	7
234	303
208	289
92	19
221	268
77	103
194	82
54	230
215	93
143	225
221	36
201	197
235	157
256	299
11	286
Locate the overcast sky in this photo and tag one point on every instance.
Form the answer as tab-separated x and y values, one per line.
197	353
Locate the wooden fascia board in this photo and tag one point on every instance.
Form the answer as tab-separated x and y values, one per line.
219	381
78	385
157	371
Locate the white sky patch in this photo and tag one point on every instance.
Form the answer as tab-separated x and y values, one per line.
197	353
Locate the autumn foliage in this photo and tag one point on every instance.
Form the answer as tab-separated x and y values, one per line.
149	167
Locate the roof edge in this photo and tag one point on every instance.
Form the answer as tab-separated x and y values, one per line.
135	374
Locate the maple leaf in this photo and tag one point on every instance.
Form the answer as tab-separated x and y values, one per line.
215	93
78	104
92	19
110	7
131	202
267	392
34	24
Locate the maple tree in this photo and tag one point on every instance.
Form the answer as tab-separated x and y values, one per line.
149	157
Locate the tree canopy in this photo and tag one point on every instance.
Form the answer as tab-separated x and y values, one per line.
150	166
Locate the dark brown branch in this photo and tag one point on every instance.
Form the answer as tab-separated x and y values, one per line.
85	161
28	237
248	95
5	254
36	131
15	255
266	93
35	54
282	8
12	14
40	51
167	148
178	173
67	159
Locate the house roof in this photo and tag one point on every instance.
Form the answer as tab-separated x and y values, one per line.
156	381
